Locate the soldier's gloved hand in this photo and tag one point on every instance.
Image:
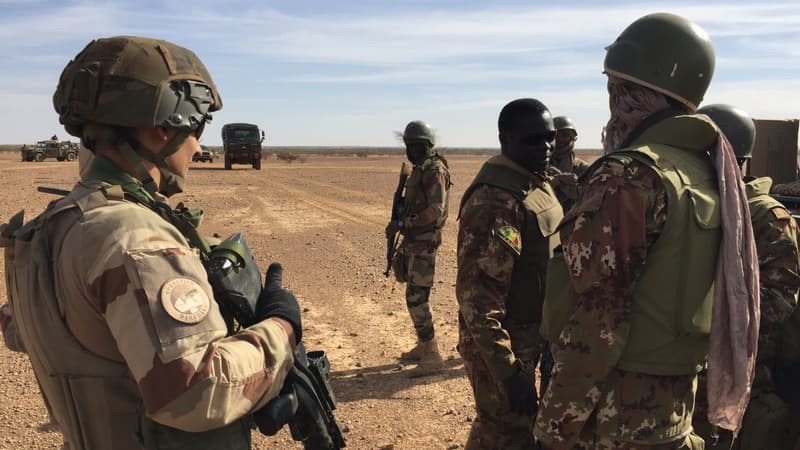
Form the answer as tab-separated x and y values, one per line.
521	393
277	301
393	227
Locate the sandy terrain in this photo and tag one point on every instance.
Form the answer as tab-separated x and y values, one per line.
324	220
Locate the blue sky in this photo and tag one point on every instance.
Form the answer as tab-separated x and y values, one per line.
349	72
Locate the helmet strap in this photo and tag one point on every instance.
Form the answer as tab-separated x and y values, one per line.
135	153
128	149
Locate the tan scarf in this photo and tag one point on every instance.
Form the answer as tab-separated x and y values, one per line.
736	314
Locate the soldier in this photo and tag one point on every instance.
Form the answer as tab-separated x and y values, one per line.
506	218
565	167
768	421
122	328
422	218
641	248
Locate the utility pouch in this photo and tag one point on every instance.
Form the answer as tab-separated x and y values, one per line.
400	265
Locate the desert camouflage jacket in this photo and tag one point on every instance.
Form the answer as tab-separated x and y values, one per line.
133	291
427	196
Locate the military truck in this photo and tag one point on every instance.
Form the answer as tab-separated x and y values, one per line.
60	150
241	143
775	155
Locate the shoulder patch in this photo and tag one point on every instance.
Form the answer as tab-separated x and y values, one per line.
185	300
781	213
511	237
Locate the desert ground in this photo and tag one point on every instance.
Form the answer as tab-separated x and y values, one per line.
323	219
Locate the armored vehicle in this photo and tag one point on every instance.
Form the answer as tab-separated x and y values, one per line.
60	150
205	155
242	144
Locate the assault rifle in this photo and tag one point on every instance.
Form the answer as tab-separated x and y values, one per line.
306	401
397	204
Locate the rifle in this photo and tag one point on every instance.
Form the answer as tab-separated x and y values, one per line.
397	204
306	401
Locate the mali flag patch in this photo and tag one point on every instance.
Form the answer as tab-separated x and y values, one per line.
510	236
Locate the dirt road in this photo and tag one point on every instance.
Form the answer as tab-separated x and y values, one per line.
323	220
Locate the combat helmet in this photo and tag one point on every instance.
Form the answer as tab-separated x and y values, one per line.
666	53
737	126
419	130
564	123
128	81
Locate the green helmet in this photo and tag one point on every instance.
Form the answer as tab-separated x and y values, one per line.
419	130
564	123
666	53
737	126
126	81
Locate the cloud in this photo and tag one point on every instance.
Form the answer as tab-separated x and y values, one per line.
375	67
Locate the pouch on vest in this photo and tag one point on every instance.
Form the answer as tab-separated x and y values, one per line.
556	308
400	265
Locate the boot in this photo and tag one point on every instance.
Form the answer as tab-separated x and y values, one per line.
415	354
430	360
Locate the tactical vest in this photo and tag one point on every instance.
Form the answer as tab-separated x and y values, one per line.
94	400
542	216
673	296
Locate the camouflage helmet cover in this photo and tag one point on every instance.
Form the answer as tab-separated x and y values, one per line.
135	82
564	123
419	130
737	126
666	53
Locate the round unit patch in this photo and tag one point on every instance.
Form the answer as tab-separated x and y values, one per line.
185	300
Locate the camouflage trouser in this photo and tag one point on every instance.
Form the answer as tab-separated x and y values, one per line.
421	266
769	422
588	441
495	425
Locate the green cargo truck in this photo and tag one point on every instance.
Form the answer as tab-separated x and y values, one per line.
241	143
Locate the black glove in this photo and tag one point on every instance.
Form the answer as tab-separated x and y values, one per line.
521	393
276	301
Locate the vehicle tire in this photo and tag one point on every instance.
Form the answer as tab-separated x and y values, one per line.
227	163
39	157
257	164
58	158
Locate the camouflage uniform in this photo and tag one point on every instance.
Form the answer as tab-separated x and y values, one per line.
125	280
592	403
424	214
768	422
497	329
